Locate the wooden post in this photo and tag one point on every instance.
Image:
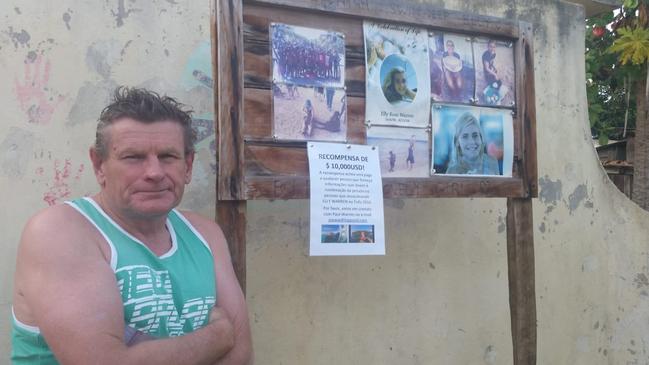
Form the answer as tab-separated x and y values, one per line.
227	62
227	39
231	216
522	295
526	101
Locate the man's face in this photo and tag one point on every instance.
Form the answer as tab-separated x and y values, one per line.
492	47
145	170
470	141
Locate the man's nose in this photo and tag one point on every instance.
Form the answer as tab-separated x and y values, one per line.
153	168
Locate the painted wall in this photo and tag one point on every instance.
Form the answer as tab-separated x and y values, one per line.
59	62
440	295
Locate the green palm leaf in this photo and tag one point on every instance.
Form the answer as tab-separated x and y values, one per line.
632	45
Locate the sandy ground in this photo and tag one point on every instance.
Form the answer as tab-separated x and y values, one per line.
421	167
288	115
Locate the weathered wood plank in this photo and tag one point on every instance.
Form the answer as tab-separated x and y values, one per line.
443	186
259	118
259	17
277	188
276	160
522	295
257	108
297	187
228	81
231	216
527	109
404	12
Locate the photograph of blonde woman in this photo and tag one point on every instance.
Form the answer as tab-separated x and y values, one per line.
472	141
395	86
470	156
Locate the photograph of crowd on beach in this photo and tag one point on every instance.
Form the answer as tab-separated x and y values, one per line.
307	56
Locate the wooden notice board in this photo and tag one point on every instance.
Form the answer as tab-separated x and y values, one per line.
253	164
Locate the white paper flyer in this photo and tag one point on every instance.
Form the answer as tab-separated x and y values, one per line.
346	200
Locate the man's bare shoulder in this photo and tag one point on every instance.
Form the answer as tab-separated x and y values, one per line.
57	244
56	230
230	296
208	228
54	220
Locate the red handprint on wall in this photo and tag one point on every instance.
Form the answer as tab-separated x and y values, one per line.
59	189
36	98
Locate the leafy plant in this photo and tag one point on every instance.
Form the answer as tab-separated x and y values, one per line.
607	82
632	45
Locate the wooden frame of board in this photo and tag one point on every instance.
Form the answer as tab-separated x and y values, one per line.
254	165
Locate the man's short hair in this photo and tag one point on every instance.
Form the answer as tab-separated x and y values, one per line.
147	107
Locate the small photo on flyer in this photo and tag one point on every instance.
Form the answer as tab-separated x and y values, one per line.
334	233
307	56
361	233
472	141
495	73
403	152
309	113
452	72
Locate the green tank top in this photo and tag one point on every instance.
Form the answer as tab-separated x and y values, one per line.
163	296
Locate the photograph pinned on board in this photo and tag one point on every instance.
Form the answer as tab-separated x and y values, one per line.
309	113
403	152
495	72
452	71
472	141
307	56
396	61
361	233
334	233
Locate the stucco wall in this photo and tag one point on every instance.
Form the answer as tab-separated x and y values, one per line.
59	62
439	296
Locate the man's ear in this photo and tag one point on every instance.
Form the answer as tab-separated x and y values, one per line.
189	163
97	166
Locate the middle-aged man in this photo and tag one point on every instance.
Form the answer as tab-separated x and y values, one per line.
123	277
